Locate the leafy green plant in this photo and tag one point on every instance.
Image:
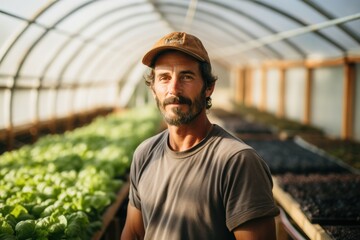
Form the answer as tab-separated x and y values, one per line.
59	187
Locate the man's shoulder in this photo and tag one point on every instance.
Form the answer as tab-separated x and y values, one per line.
150	143
229	141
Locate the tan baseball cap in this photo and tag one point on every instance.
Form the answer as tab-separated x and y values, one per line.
180	41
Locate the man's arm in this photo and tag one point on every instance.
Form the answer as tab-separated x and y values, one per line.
258	229
134	226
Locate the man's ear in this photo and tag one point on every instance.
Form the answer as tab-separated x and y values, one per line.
209	90
152	92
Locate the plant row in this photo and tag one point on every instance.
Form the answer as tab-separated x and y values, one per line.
59	187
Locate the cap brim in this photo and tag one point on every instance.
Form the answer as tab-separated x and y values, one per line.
149	56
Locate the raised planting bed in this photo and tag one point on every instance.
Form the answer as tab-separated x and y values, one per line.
63	186
286	156
296	219
331	199
110	214
283	126
346	150
238	124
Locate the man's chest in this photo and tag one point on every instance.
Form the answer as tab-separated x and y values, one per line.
189	188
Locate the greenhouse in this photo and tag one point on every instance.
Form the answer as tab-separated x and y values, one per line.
75	107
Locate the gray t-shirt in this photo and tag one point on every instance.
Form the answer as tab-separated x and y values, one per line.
202	193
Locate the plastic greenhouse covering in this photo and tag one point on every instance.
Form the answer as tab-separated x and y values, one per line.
74	107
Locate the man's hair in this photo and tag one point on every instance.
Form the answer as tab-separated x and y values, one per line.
206	74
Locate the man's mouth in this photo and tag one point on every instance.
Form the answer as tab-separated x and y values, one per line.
177	100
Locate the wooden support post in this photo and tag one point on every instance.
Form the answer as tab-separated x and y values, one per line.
248	88
10	137
307	97
348	101
281	100
34	131
70	122
240	86
263	96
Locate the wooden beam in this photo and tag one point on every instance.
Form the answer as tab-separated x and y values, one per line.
348	101
308	96
314	63
284	63
311	63
353	59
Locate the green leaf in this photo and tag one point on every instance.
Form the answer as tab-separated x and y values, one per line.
18	210
5	209
25	229
5	236
78	222
5	227
56	231
11	220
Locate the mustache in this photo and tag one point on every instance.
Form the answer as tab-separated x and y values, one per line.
178	100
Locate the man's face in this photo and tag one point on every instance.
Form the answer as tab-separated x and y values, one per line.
179	88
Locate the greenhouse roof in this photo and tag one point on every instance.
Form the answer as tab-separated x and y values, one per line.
99	44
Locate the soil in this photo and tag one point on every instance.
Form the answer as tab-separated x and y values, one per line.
330	199
343	232
321	173
286	156
251	123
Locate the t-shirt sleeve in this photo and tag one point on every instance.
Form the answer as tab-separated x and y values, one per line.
134	198
247	189
140	160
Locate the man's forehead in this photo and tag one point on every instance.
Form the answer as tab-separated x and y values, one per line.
177	67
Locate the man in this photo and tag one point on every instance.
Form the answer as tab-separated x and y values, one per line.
194	180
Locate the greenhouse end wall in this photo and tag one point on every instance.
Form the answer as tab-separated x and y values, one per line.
326	96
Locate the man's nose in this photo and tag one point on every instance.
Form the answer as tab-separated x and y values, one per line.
174	87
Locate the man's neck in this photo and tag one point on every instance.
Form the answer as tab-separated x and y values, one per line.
186	136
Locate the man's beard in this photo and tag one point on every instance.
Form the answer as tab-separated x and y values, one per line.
182	117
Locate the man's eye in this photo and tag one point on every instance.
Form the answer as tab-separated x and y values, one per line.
187	77
163	78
